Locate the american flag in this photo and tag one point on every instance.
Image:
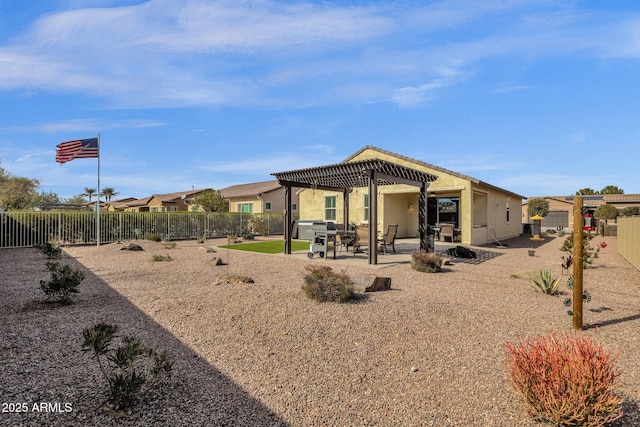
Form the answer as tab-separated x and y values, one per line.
78	149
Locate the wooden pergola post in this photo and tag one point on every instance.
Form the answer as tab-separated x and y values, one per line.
578	254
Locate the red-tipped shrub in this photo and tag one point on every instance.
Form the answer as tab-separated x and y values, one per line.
568	381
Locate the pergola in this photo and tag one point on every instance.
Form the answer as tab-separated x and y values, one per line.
344	177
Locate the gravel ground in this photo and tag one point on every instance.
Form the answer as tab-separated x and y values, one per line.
428	352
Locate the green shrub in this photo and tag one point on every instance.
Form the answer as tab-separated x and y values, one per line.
154	237
64	282
426	262
587	249
166	257
568	381
324	285
461	252
126	376
545	282
51	249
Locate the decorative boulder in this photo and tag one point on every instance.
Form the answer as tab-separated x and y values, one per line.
216	260
379	284
132	247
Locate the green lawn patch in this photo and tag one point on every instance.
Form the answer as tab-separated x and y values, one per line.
270	246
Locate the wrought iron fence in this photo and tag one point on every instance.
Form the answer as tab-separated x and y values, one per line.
28	228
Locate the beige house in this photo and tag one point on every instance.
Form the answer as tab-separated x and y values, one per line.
561	208
258	197
172	202
481	213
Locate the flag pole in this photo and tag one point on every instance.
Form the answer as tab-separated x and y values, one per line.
98	202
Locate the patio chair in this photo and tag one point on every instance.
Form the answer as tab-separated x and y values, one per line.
344	240
447	231
361	238
389	239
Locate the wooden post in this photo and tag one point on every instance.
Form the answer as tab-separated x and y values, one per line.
578	249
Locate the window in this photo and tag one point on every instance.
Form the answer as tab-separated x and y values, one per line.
267	206
448	210
173	208
245	207
330	208
366	207
154	209
294	207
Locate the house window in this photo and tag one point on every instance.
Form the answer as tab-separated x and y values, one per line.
245	207
173	209
366	207
330	208
267	206
154	209
294	207
508	219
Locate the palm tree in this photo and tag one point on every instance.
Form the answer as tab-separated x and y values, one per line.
89	192
108	193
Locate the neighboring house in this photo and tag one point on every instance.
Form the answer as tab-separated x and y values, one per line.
561	208
172	202
119	205
480	212
258	197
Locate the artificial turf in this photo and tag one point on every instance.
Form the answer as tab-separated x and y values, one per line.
269	246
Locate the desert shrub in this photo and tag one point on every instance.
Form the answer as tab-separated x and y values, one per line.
64	282
169	245
545	282
201	240
630	211
258	224
154	237
461	252
166	257
130	369
325	285
587	250
427	262
568	381
51	249
248	236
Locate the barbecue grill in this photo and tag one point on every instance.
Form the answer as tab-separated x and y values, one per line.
319	233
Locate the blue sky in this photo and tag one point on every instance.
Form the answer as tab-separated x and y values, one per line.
537	97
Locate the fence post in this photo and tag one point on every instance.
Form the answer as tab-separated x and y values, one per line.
578	266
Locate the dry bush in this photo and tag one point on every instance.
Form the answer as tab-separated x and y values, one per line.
324	285
568	381
427	262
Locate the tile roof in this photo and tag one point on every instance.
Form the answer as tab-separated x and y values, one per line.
252	189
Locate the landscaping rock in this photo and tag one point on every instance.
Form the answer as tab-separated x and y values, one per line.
233	279
379	284
207	249
216	260
132	247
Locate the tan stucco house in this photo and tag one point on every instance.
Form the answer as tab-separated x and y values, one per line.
258	197
171	202
482	213
561	208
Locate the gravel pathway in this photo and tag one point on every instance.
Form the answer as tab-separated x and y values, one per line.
428	352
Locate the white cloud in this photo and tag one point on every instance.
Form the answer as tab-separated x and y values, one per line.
164	53
84	125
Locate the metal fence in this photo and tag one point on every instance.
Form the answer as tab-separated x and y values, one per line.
28	228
